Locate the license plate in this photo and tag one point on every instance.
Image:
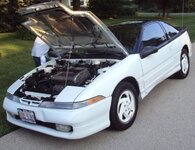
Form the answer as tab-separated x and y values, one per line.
27	116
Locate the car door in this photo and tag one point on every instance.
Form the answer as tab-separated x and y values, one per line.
174	43
155	66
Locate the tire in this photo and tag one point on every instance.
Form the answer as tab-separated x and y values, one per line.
185	65
124	106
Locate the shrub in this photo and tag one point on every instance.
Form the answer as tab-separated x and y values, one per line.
127	10
105	8
112	8
5	27
24	34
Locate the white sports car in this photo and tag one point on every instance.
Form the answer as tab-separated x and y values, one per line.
99	75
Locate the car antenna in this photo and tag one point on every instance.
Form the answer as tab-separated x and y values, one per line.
107	47
182	14
70	51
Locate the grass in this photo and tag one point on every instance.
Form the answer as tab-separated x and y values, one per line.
15	58
188	21
15	61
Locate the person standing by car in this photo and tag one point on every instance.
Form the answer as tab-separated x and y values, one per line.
39	50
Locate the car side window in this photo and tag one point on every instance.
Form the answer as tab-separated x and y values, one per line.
153	35
171	31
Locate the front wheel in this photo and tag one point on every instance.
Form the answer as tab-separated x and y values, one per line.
185	65
124	106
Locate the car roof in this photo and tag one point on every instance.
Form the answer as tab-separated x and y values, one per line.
137	22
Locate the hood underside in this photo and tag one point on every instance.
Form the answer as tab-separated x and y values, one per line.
62	28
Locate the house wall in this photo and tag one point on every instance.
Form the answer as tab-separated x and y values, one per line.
68	2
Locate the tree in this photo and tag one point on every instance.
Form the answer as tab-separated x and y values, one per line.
176	6
8	15
105	8
9	18
165	6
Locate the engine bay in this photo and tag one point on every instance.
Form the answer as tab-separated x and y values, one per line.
53	78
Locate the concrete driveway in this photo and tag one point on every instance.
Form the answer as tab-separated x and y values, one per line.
165	120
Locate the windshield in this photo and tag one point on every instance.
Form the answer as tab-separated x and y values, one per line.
127	34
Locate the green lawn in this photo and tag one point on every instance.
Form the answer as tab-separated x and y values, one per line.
15	58
188	21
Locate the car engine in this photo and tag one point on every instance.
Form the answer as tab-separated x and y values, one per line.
52	79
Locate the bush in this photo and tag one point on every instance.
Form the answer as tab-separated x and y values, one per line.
4	27
112	8
24	34
128	10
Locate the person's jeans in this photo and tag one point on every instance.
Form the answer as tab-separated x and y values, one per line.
40	60
37	61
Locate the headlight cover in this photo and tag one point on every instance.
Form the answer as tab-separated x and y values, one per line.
12	97
73	105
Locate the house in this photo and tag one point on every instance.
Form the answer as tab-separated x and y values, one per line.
83	3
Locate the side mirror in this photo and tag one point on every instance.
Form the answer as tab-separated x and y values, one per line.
148	50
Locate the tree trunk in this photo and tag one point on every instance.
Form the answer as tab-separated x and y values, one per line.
164	8
76	4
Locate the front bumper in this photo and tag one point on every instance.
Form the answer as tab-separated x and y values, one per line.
84	121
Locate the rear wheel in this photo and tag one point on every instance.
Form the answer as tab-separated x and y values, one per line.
124	106
185	65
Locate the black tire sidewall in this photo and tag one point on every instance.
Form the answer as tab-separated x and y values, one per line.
184	75
180	74
114	119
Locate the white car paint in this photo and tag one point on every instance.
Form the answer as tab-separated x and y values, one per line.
85	121
71	93
128	67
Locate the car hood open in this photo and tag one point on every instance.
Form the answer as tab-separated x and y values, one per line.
62	28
